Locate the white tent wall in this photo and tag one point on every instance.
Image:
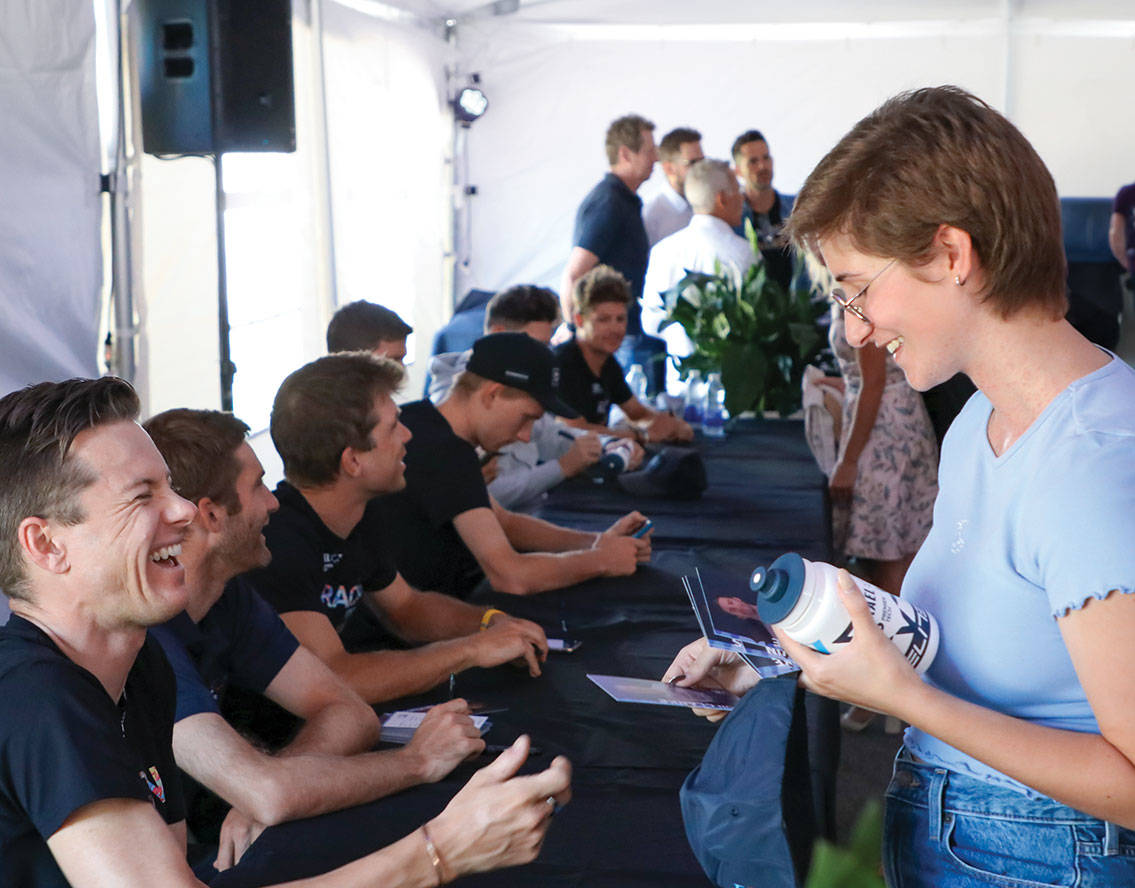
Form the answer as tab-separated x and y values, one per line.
1072	98
389	136
50	160
557	73
376	188
176	302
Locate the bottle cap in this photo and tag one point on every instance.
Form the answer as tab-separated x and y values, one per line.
778	587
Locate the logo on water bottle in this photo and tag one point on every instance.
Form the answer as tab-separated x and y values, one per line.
918	627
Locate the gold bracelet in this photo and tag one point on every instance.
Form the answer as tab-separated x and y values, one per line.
488	615
435	858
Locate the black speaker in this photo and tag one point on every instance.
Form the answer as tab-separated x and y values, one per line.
216	75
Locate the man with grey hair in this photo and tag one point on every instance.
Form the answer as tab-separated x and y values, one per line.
716	200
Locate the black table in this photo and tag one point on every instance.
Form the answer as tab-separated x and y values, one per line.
623	828
765	497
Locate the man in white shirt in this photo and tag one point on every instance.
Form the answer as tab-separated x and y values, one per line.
716	199
667	209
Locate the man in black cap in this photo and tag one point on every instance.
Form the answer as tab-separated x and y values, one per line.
447	531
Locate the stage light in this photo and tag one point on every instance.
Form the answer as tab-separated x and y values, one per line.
470	104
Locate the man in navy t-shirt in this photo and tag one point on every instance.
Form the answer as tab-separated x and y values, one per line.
89	536
228	634
608	224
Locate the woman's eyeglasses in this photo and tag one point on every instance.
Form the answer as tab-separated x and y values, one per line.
840	298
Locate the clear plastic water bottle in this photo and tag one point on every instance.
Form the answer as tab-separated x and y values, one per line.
638	383
713	422
695	399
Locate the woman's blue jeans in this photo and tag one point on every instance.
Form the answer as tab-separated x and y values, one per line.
946	830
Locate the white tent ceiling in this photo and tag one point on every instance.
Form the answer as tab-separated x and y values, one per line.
724	12
556	71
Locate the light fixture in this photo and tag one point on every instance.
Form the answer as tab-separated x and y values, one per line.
470	103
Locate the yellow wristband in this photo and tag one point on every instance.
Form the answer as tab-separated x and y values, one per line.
488	615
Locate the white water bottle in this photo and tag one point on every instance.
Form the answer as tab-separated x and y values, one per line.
617	455
801	598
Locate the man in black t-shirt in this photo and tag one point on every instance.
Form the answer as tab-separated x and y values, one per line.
447	530
591	380
90	534
336	428
228	633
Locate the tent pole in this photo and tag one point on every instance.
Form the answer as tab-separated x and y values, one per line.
123	358
1010	97
455	147
325	210
228	368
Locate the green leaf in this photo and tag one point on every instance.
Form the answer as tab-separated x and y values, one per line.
834	867
867	836
751	236
857	865
759	335
743	371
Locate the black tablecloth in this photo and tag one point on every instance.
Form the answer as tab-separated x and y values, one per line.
623	827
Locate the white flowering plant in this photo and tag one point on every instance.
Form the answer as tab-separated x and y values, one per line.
748	328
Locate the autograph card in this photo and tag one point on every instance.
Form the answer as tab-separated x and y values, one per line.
659	693
730	623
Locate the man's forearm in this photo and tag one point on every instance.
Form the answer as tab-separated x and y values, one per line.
533	572
431	616
307	785
335	730
272	789
529	534
580	261
385	675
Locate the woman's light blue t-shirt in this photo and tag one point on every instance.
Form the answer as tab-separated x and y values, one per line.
1020	539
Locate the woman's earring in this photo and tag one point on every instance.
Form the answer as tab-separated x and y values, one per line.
958	279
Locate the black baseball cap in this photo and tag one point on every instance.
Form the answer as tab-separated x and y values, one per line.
520	362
